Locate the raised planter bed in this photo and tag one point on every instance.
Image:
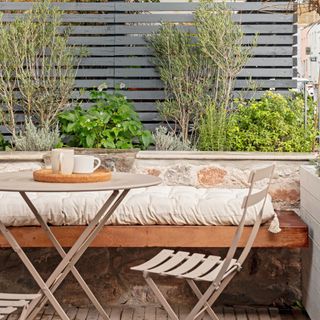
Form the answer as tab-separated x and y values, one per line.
310	204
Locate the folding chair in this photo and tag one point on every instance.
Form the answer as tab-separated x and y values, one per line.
216	271
9	303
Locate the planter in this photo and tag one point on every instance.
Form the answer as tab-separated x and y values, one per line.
310	204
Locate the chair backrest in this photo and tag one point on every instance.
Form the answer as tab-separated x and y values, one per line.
252	198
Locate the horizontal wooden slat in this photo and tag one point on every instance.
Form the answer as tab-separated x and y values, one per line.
143	51
71	6
101	6
239	6
147	29
160	95
157	83
140	40
66	18
147	62
151	72
294	234
167	17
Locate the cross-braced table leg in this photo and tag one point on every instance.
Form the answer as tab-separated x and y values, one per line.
68	259
44	288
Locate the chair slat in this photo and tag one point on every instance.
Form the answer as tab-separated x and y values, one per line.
195	259
174	261
18	296
156	260
13	303
211	276
7	310
261	173
254	198
203	268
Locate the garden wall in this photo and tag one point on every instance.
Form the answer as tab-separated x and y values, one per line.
270	276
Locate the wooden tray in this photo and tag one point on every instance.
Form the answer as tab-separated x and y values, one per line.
46	175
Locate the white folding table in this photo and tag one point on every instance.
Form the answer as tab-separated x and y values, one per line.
22	182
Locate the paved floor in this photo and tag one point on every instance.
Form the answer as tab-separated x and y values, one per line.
155	313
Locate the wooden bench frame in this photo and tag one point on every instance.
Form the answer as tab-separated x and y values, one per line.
294	235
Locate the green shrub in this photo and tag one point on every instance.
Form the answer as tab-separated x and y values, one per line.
110	122
198	68
274	123
36	139
4	145
212	130
165	140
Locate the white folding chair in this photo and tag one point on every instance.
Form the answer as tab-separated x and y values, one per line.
216	271
10	302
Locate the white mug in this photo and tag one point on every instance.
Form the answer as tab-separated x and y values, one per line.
85	164
62	160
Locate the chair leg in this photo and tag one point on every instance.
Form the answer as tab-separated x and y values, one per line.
160	297
199	308
24	313
198	294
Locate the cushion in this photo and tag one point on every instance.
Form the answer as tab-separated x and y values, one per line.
161	205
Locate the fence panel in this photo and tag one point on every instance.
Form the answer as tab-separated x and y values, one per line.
115	36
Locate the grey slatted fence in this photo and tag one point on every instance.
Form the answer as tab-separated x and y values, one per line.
114	33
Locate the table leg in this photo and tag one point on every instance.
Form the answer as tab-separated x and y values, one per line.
43	286
79	247
62	253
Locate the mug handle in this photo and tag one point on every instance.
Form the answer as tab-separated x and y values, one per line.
98	165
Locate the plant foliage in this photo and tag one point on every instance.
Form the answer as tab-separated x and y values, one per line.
37	139
37	65
274	123
4	145
169	141
198	66
110	122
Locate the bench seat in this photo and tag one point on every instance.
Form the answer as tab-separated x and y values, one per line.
294	234
159	205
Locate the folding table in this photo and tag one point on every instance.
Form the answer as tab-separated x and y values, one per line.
22	182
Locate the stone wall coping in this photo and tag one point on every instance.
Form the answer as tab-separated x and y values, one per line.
177	155
203	155
22	155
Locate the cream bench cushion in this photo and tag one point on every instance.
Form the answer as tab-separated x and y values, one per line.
159	205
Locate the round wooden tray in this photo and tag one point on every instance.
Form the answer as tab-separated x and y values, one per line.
46	175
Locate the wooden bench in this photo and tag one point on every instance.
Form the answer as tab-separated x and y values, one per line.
294	234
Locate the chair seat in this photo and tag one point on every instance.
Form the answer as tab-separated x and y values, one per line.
6	311
9	302
182	264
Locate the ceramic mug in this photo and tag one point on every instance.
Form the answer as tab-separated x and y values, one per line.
62	160
85	164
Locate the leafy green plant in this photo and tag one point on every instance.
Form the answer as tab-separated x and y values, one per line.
274	123
38	66
37	139
110	122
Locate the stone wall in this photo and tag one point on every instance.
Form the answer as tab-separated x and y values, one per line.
270	276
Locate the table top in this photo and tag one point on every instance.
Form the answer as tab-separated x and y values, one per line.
23	182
